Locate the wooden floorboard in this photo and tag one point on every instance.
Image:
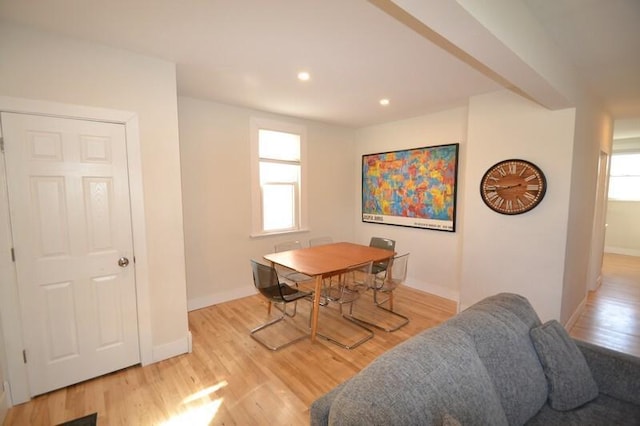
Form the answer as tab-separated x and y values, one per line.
229	379
611	317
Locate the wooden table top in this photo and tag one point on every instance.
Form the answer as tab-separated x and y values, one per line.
328	259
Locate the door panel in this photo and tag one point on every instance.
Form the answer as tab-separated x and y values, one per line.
70	215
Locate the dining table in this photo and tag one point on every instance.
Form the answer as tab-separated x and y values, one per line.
325	261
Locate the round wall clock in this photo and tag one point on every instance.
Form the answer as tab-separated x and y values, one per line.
513	186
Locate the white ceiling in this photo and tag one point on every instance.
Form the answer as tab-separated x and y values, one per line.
248	52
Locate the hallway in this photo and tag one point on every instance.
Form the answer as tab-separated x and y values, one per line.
611	317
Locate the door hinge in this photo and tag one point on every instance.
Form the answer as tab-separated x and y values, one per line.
13	254
24	355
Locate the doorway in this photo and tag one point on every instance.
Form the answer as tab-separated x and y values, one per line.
12	321
68	193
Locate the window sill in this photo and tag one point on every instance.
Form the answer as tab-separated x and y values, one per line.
275	233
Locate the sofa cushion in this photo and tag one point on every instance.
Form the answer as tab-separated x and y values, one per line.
570	381
319	409
434	376
615	373
604	410
500	327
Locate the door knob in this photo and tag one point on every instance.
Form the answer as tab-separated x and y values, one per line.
123	262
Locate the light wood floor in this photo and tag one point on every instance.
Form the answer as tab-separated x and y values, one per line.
611	317
230	379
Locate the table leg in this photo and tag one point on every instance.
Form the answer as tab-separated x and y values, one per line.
316	307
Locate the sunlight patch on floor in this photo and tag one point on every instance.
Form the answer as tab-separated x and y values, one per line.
205	392
202	414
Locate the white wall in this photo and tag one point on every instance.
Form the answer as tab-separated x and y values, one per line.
434	260
214	151
593	134
522	253
623	227
47	67
4	393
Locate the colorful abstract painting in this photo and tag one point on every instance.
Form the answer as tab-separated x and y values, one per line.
413	187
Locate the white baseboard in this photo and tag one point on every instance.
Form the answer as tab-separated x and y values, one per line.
444	292
576	314
5	404
221	297
171	349
225	296
622	250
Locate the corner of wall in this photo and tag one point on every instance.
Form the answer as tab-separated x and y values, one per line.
172	349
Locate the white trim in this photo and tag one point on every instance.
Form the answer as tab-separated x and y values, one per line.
219	297
4	401
256	123
622	250
576	314
171	349
443	292
17	374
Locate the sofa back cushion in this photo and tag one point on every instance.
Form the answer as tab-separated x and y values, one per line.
568	375
499	326
430	378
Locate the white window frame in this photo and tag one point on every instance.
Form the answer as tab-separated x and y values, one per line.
613	176
256	124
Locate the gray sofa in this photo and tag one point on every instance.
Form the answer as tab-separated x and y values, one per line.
493	364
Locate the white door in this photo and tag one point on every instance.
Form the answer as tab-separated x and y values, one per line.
71	223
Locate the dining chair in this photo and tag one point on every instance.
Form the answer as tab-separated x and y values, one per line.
320	241
329	281
395	275
265	279
383	243
353	282
286	273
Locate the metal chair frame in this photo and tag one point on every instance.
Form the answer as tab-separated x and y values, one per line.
266	281
398	274
348	292
286	273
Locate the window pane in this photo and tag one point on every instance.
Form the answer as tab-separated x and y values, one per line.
625	165
276	172
278	203
624	188
278	145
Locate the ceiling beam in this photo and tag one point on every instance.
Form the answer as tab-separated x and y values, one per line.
504	42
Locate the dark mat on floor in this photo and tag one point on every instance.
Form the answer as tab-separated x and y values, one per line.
89	420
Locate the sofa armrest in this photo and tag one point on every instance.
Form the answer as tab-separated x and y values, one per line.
617	374
319	409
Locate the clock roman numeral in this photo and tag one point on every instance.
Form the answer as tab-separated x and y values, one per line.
501	171
530	177
532	187
520	203
529	196
512	168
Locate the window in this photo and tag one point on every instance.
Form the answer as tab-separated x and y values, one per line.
277	171
624	180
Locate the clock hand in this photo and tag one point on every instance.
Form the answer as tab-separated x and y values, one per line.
508	186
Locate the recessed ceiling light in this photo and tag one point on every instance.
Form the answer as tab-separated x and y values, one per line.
384	102
304	76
